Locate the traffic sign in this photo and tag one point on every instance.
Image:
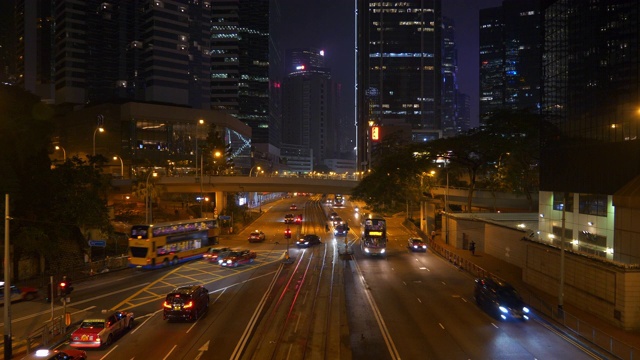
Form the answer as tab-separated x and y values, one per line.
224	217
98	243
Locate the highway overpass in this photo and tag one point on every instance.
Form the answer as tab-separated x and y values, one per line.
209	184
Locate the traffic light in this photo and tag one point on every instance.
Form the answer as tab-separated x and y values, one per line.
63	288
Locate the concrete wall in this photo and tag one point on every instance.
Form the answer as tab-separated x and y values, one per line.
609	292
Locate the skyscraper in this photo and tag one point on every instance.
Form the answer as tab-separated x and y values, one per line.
510	57
309	117
240	63
399	66
155	51
449	78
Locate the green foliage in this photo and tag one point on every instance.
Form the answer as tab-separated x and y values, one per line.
502	156
47	206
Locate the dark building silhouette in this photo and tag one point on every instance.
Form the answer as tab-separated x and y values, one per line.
510	57
310	109
398	67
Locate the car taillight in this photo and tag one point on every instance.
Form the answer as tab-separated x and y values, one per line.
188	305
166	304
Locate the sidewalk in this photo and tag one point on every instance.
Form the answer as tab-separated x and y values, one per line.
625	344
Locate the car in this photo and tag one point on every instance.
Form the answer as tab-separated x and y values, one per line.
333	215
293	207
308	240
356	209
416	244
256	236
500	299
341	230
236	258
298	219
289	219
215	254
185	302
337	221
18	294
67	354
101	331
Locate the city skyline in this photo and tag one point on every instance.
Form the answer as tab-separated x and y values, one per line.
322	24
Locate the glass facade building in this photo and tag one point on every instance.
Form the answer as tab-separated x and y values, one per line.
399	72
510	57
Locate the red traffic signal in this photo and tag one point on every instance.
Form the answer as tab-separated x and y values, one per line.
63	288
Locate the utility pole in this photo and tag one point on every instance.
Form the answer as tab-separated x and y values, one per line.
7	283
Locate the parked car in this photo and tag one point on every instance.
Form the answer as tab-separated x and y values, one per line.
66	354
500	299
101	331
236	258
416	244
308	240
186	302
216	254
18	294
257	236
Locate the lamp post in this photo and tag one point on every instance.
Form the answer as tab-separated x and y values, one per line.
101	129
255	167
446	205
200	122
148	204
116	157
64	153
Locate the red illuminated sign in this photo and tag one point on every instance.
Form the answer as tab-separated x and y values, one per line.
375	133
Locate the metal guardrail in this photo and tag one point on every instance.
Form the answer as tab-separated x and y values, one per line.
49	333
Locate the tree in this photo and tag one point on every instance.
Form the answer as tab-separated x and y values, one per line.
25	133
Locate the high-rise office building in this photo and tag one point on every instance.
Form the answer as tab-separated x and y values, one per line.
33	50
154	51
240	63
309	112
510	57
449	78
399	67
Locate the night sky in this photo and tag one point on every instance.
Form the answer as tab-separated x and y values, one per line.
329	25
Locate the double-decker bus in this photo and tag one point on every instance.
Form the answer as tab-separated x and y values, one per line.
157	245
338	200
374	235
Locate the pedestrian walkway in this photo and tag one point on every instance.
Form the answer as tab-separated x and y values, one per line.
576	322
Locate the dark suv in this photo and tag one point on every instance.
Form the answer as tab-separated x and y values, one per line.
186	303
500	299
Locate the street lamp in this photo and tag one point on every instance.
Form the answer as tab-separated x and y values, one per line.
101	129
148	205
255	167
64	153
200	122
116	157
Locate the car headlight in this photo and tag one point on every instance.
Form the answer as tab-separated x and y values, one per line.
503	309
424	246
229	261
366	250
415	246
525	309
383	250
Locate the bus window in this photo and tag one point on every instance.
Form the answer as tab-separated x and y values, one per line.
139	252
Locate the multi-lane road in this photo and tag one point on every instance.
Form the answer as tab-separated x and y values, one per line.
314	303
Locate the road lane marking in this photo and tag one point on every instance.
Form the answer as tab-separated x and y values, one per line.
109	352
173	348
